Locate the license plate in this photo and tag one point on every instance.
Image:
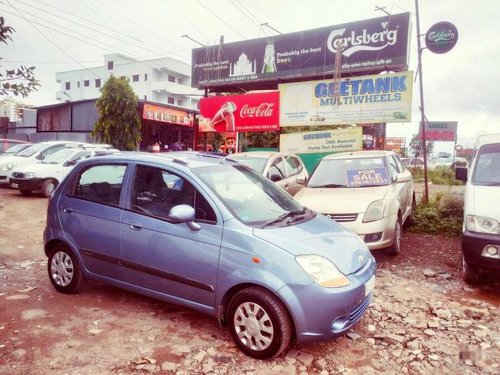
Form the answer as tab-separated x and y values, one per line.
370	284
14	185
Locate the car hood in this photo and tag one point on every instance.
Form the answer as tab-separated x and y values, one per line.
8	159
40	168
340	200
481	198
320	236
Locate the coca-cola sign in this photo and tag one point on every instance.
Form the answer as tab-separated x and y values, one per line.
248	112
368	46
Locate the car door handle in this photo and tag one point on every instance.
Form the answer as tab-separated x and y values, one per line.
67	210
135	227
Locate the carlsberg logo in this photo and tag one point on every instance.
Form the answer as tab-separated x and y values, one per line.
354	42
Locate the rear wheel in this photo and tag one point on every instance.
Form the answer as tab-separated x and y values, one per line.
259	323
395	249
64	269
48	187
469	273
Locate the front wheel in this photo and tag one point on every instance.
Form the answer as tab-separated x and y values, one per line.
48	187
64	269
395	249
259	323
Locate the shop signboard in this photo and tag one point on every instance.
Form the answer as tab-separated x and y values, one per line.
167	115
358	100
395	143
241	113
369	46
336	140
439	131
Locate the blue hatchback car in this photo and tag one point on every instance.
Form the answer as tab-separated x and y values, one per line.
211	234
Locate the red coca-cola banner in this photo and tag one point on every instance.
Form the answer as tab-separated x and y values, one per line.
242	113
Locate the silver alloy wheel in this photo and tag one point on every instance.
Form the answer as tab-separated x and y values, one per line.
253	326
397	235
51	186
61	268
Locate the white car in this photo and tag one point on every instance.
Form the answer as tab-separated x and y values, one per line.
45	175
286	170
369	192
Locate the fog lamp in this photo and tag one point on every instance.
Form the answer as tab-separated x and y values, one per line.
373	237
492	250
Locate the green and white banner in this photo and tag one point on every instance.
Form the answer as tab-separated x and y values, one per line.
337	140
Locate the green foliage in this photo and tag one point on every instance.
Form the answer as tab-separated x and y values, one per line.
118	123
438	176
417	147
20	81
217	141
442	215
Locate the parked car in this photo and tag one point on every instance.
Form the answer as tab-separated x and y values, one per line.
369	192
45	175
413	162
6	143
14	149
481	227
34	153
286	170
211	234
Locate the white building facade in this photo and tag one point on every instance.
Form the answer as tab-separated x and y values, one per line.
13	109
164	80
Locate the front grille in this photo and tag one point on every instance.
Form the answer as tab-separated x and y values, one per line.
18	175
356	314
343	218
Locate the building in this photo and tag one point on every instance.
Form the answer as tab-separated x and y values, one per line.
164	80
13	109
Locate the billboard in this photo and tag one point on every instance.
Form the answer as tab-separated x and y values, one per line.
243	113
439	131
168	115
369	46
357	100
336	140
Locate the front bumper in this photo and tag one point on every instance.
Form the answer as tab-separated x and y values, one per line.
26	183
383	227
473	249
325	313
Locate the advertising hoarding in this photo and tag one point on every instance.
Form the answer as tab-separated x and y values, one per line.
369	46
165	114
358	100
336	140
439	131
243	113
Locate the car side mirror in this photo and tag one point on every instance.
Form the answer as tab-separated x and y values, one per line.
70	163
403	177
274	177
461	174
301	180
183	213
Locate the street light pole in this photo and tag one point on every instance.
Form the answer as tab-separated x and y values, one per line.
422	110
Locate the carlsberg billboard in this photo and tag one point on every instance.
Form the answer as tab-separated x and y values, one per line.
369	46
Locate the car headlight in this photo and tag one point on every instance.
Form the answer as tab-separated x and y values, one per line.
322	271
375	211
29	175
7	166
482	224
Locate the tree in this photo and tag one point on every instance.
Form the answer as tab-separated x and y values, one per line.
118	123
417	149
20	81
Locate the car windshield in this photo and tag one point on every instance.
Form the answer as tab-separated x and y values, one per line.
487	170
257	164
58	157
30	151
349	172
16	148
252	198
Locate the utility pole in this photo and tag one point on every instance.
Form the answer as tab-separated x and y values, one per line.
422	108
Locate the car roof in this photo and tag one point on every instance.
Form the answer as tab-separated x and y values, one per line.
359	154
487	139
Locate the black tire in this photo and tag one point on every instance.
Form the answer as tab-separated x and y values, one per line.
470	274
395	249
259	323
411	217
64	270
25	192
48	187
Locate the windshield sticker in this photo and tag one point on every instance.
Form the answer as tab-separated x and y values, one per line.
367	177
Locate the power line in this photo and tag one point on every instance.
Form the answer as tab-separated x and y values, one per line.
220	19
238	6
257	21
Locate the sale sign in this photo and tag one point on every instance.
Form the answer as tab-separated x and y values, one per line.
367	177
439	131
242	113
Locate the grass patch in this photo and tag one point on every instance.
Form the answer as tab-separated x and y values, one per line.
438	176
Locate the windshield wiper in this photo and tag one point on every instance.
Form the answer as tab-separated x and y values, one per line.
328	186
284	216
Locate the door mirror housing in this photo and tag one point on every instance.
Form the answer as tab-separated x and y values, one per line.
274	177
183	213
301	180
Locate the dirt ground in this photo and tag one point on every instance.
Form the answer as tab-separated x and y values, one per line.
423	319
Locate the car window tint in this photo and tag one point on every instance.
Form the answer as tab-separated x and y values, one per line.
100	183
277	167
293	165
155	191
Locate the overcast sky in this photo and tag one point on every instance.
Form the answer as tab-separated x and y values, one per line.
61	35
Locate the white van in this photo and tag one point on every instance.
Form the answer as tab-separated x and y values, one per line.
481	228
